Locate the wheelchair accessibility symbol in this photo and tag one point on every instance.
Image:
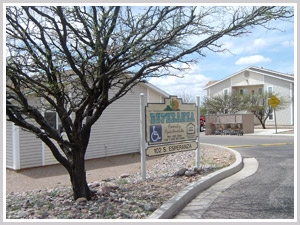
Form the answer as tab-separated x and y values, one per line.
155	133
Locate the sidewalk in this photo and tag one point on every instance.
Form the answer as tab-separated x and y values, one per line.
281	130
197	207
270	130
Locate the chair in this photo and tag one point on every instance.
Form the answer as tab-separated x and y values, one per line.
226	129
218	129
236	129
240	129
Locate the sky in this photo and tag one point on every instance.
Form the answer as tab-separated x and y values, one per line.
270	49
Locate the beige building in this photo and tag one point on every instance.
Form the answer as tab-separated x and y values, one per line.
254	80
116	132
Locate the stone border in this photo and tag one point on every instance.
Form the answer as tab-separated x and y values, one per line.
173	206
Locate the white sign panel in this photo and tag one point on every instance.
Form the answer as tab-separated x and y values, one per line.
171	148
172	121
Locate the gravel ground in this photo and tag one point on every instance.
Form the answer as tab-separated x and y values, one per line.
122	197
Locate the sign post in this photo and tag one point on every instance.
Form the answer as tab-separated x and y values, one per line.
274	101
198	131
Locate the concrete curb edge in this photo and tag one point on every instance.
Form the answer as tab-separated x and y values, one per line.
174	205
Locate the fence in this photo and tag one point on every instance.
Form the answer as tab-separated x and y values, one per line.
229	124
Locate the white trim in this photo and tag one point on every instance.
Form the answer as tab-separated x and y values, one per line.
156	89
148	95
43	154
16	147
43	144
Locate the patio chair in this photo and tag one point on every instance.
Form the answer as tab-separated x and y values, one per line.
218	130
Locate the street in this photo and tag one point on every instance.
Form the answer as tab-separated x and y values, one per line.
269	193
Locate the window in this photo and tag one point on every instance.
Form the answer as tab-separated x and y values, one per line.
270	91
53	120
271	113
260	91
243	91
225	91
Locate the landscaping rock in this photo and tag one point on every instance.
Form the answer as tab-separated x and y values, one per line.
180	172
133	199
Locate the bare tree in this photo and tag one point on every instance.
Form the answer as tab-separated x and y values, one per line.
71	58
186	96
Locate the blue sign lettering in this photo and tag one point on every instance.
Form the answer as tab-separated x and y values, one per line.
172	117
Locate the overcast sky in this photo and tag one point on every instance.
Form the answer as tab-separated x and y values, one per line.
271	49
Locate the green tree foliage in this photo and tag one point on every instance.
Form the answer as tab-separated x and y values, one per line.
259	106
225	104
234	103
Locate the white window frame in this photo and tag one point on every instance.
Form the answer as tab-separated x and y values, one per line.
271	115
270	93
225	91
243	91
57	121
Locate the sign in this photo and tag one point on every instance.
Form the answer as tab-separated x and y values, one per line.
171	148
273	101
171	121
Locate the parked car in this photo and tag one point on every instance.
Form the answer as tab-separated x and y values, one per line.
202	123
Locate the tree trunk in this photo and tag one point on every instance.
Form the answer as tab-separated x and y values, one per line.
262	122
78	177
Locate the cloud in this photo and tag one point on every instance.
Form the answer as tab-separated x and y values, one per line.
250	60
257	44
244	45
287	44
192	82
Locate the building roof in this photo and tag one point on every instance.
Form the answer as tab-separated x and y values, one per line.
211	82
143	82
156	89
262	71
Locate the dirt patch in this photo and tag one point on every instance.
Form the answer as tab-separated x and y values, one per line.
56	175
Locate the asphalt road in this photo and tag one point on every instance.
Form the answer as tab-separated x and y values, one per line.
246	141
269	193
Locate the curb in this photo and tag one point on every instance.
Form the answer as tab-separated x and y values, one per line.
173	206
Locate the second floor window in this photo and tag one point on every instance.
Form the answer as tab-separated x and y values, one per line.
270	91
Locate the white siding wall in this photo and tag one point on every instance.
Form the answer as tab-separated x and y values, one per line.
217	89
282	88
48	156
30	150
252	79
118	129
154	97
9	144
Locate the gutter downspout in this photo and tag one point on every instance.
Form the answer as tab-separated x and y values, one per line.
16	147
